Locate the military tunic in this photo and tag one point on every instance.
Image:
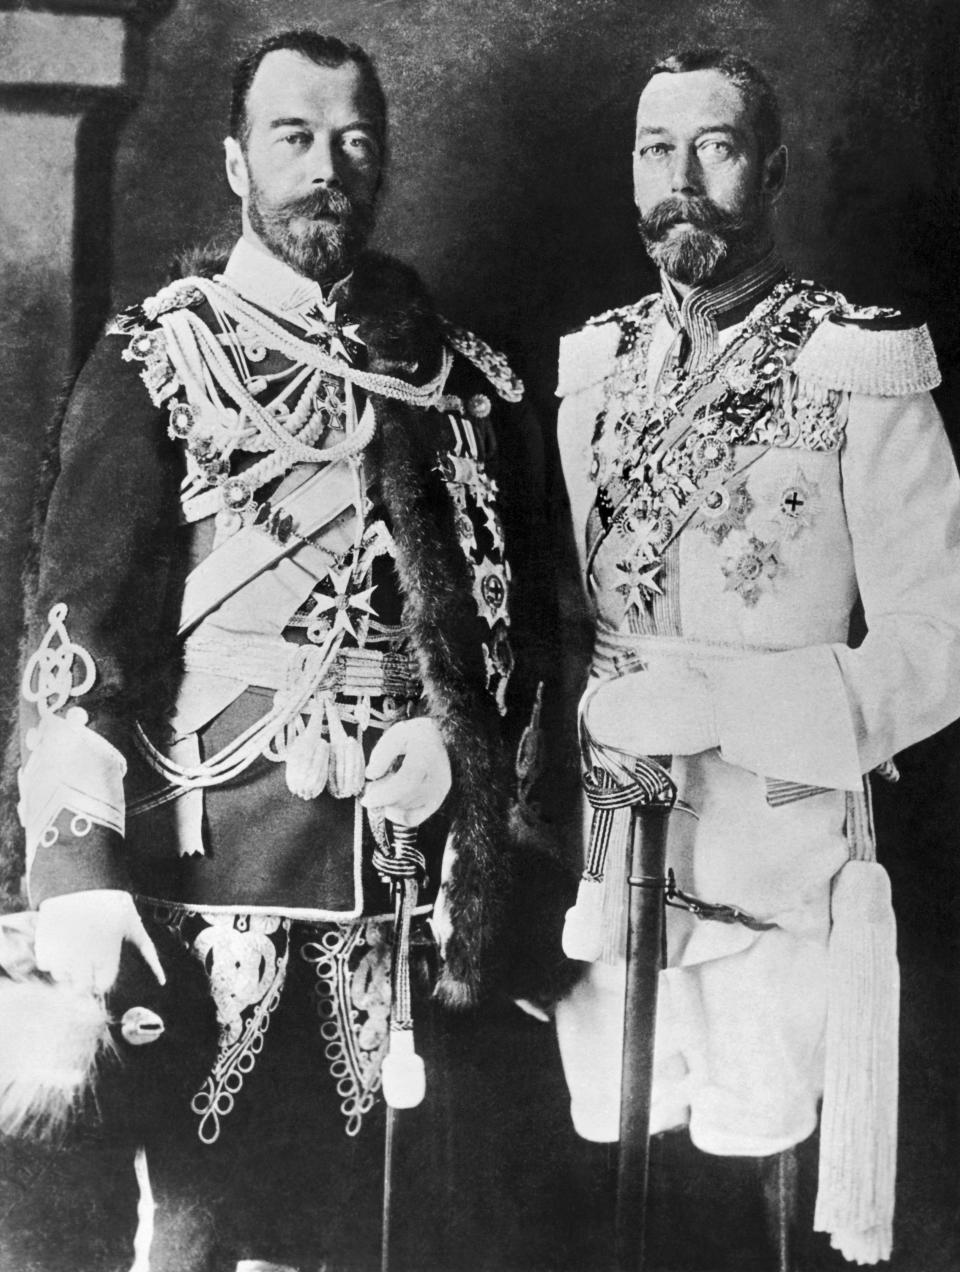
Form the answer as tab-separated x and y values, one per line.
728	515
273	535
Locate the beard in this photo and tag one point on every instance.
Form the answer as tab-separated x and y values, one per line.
318	235
709	239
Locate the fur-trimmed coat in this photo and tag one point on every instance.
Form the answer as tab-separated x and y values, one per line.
112	552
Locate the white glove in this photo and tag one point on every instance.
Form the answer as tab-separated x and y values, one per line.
80	935
414	790
667	710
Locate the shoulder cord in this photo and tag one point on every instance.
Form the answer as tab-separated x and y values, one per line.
302	351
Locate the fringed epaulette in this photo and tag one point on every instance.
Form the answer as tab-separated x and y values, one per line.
491	363
587	355
869	350
625	315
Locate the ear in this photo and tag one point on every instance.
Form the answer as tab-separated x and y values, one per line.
237	173
774	176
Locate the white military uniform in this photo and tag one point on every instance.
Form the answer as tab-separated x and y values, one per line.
728	511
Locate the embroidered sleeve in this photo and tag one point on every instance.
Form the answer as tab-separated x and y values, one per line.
95	636
71	783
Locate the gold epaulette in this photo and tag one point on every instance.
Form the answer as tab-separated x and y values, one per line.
870	351
587	354
494	365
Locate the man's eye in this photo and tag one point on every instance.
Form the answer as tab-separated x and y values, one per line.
656	150
296	139
712	151
359	145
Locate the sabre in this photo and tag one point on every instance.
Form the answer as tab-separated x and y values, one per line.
612	781
645	925
404	1083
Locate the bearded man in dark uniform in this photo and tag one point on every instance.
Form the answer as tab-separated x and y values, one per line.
268	669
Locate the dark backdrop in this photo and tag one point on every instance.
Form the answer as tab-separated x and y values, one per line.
511	134
509	189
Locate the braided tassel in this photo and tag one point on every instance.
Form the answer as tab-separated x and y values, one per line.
583	926
347	764
308	758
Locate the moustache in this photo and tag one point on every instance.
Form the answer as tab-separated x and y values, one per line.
321	203
698	211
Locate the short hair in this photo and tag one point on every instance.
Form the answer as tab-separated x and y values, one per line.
324	50
758	93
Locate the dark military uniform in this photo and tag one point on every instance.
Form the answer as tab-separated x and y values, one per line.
274	535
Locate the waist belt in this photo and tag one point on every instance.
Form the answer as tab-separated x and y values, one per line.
274	663
616	653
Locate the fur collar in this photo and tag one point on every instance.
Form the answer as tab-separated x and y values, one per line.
399	324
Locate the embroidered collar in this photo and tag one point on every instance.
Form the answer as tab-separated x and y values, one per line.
705	309
274	285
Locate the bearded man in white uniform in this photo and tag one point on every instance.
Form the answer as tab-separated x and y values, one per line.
746	455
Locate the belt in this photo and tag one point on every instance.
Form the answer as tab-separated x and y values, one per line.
615	653
274	663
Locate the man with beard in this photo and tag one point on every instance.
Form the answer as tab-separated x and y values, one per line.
268	666
746	455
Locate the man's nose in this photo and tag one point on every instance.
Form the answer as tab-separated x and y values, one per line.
686	177
323	162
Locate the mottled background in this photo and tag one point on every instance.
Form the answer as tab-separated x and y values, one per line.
509	189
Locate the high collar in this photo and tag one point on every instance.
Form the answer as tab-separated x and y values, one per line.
705	310
272	284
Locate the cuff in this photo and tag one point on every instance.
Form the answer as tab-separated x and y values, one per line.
78	863
787	715
71	807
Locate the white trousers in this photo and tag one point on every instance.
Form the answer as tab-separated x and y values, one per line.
741	1014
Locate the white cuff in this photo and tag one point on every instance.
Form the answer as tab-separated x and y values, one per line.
787	715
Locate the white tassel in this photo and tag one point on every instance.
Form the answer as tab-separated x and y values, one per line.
403	1075
583	926
858	1131
347	763
308	759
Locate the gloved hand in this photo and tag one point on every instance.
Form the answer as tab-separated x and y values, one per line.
414	790
667	710
80	935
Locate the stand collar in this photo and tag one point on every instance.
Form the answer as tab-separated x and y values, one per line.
705	310
272	284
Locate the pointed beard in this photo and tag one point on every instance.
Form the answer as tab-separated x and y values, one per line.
689	239
319	236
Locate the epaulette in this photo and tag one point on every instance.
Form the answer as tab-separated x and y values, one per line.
588	353
625	313
869	350
180	294
493	364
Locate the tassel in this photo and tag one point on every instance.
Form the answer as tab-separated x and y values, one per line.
347	763
403	1074
858	1132
308	759
583	926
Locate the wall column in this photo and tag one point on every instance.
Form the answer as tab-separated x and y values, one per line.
69	73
